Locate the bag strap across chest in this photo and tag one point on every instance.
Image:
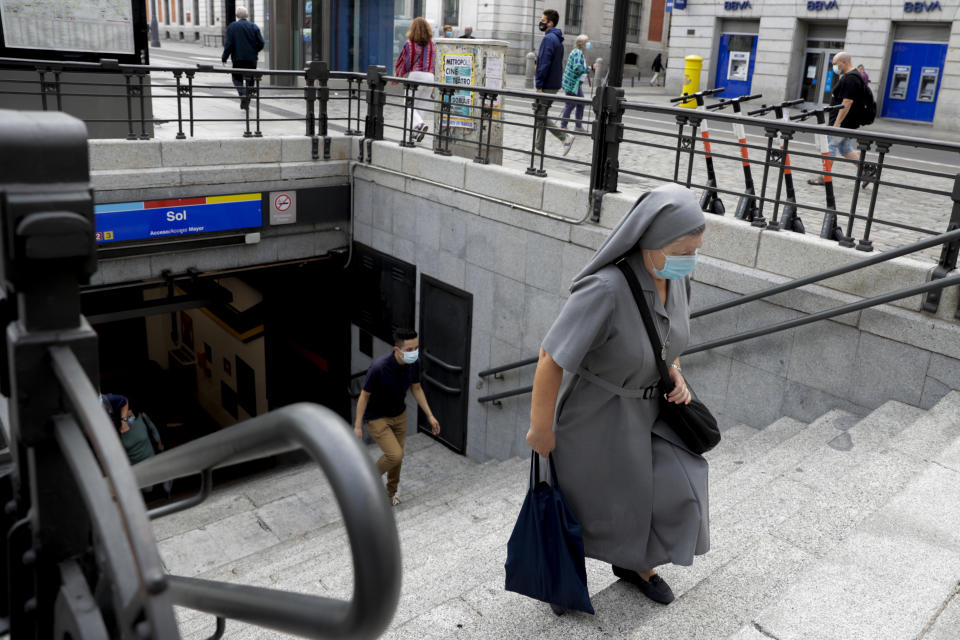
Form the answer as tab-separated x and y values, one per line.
637	292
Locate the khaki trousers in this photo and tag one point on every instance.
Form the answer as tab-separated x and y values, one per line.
390	434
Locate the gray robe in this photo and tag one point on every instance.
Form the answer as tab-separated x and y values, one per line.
638	492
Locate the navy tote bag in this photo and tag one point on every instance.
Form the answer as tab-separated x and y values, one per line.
545	551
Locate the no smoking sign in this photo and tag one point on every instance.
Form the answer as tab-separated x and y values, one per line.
283	207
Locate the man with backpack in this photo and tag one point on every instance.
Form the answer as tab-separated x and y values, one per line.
858	108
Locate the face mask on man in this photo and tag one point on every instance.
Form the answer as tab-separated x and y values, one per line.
409	357
676	267
836	69
543	26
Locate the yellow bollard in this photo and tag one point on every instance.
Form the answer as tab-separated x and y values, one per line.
691	78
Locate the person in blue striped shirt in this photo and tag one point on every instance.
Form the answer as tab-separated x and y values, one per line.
572	85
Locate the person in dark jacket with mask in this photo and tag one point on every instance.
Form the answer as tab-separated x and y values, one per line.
244	43
549	77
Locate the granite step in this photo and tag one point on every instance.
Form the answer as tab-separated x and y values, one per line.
731	459
321	563
795	481
897	573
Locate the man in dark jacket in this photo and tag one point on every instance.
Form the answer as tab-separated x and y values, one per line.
550	67
244	42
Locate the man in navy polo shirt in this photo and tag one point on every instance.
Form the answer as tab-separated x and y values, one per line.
382	404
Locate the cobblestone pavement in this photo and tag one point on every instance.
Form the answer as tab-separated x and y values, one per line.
918	200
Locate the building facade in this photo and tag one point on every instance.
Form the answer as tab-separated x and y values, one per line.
783	49
648	27
352	34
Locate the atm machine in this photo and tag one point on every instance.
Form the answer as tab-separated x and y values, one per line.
913	81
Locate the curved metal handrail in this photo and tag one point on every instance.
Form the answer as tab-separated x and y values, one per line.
112	459
367	516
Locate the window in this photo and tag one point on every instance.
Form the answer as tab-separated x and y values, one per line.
451	12
633	20
574	16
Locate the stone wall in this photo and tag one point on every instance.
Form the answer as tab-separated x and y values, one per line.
131	171
447	216
515	242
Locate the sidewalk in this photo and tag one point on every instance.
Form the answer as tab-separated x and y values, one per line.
641	92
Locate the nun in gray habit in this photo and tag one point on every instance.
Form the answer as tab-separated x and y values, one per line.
638	492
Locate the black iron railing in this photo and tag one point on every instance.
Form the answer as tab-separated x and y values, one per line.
78	558
888	194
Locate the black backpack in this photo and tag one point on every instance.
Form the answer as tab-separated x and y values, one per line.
866	108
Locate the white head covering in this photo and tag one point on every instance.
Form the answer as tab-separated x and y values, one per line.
658	218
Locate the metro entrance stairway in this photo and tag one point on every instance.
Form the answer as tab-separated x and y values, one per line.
843	528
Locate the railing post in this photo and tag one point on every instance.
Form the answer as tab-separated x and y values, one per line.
690	145
848	241
770	132
190	75
129	90
377	97
180	95
487	100
353	92
442	141
540	108
256	97
948	255
47	217
406	134
681	125
141	93
317	71
607	133
872	176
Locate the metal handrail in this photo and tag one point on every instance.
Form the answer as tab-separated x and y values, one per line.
783	326
112	459
933	285
830	273
519	391
366	513
508	367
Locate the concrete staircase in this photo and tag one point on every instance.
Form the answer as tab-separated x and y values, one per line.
843	528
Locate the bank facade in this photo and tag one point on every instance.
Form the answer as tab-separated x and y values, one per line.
783	50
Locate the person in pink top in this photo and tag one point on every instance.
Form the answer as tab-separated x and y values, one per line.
416	62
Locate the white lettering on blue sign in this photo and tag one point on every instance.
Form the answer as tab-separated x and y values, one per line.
173	216
822	5
921	7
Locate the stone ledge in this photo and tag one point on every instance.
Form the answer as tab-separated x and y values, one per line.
507	184
387	155
448	170
106	155
239	174
731	240
566	199
201	152
797	255
134	179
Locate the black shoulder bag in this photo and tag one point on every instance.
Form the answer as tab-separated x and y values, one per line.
693	422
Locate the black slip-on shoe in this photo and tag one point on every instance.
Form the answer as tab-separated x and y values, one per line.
656	588
557	609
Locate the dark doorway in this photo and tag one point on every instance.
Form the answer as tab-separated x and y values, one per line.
446	322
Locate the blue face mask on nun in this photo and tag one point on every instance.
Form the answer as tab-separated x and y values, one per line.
676	267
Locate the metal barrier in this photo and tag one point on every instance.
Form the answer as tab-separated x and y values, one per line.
79	559
630	141
877	195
